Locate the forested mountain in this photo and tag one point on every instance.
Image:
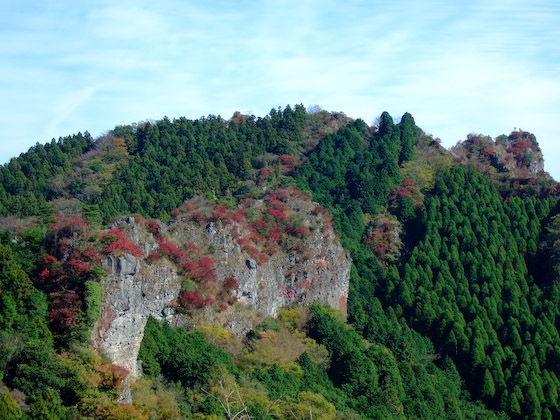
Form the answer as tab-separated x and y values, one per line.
453	309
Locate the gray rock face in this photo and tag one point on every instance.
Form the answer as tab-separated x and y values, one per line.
321	274
285	278
133	292
136	288
536	166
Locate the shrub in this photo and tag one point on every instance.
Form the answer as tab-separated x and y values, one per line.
153	227
191	299
94	300
230	283
169	249
118	243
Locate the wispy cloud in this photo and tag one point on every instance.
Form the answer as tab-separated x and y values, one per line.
482	66
64	107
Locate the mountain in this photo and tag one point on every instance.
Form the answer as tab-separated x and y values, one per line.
302	264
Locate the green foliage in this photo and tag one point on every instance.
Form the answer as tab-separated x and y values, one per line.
92	213
180	356
94	301
9	409
376	382
48	406
24	181
177	160
475	296
352	171
154	401
450	283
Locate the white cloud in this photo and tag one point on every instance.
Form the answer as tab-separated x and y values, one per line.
457	67
63	109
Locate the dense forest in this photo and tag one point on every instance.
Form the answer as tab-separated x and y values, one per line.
454	303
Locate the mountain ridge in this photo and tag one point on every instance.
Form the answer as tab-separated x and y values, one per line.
448	273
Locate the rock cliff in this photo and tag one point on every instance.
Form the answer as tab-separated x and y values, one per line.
518	154
215	265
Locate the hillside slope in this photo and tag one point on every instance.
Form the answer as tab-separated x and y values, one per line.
448	277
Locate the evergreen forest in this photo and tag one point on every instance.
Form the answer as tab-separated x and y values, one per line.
454	300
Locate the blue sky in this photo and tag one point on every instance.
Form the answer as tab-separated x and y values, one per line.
457	66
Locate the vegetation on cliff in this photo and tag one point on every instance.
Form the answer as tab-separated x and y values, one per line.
454	293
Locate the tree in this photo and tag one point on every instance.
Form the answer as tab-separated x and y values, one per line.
407	126
488	389
9	409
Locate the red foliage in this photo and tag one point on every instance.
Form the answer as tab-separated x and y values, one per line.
65	309
192	249
380	251
153	227
127	247
407	183
278	215
230	283
320	210
197	217
201	271
280	194
408	188
298	231
53	270
118	243
206	263
289	293
191	299
223	214
49	259
488	152
288	164
519	149
389	224
381	240
220	212
288	160
110	376
297	193
276	204
45	275
66	222
80	268
90	254
238	216
168	248
264	173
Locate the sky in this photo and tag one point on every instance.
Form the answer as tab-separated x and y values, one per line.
458	67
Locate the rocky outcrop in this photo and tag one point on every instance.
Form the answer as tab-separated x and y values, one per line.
320	274
315	269
133	292
518	154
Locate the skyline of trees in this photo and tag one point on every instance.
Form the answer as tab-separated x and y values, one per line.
454	289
